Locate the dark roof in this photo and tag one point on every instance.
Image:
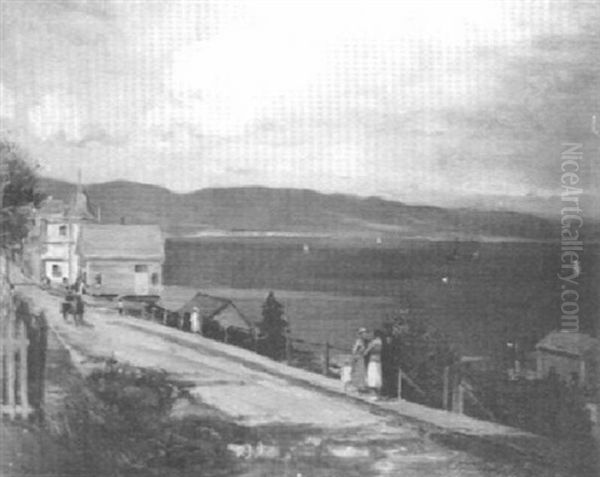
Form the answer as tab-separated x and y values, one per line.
52	206
211	307
79	206
208	306
575	344
137	242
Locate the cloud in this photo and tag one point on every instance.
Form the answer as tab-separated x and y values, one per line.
371	97
56	115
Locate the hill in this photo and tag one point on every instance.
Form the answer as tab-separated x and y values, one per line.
297	211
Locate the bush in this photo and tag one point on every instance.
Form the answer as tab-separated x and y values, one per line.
119	423
423	353
19	192
547	407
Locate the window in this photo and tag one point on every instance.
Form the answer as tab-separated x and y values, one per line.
56	271
574	379
98	279
154	279
141	268
62	230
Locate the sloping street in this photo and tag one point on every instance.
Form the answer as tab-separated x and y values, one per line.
254	391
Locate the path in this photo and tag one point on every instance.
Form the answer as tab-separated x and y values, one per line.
255	391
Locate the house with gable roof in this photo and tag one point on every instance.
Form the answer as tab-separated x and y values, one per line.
121	259
574	357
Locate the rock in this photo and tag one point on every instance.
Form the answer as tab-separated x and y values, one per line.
313	441
260	451
239	450
347	452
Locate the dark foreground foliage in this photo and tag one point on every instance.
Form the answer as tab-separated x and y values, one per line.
19	191
119	424
549	406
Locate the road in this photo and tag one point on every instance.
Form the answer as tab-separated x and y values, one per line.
254	391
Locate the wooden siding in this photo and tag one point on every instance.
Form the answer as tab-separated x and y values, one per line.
564	366
118	276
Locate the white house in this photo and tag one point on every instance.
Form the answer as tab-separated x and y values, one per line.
51	253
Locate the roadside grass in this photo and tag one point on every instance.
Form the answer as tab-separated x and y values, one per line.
117	422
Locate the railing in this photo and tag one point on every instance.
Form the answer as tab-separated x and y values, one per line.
13	371
325	353
324	357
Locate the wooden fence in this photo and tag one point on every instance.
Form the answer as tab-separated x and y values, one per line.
331	356
455	388
14	344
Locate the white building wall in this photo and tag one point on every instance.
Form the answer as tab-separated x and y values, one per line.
52	266
59	248
56	250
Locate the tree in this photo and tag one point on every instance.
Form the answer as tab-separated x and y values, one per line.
273	327
422	354
18	192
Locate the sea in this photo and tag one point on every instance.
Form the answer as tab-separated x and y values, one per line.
481	296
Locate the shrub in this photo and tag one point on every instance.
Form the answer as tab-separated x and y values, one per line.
119	423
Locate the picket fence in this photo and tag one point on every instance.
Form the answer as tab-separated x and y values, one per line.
13	354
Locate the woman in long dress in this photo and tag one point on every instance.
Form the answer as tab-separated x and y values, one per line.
195	320
373	352
359	372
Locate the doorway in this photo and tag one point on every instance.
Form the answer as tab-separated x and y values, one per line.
141	280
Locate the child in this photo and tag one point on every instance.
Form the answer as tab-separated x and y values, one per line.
346	373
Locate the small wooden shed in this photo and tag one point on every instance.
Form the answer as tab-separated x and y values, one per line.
572	356
219	316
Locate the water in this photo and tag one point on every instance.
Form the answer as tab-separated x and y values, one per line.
480	295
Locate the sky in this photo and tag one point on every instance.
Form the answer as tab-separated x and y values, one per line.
402	99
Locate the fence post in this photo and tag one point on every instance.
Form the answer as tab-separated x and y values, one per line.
326	359
400	376
36	360
454	398
2	377
9	336
288	348
457	393
445	389
23	343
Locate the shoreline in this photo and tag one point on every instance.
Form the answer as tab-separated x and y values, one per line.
363	238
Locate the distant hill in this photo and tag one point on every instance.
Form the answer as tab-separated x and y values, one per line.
295	210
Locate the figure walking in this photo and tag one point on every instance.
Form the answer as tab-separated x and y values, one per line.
68	306
79	310
359	361
195	320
